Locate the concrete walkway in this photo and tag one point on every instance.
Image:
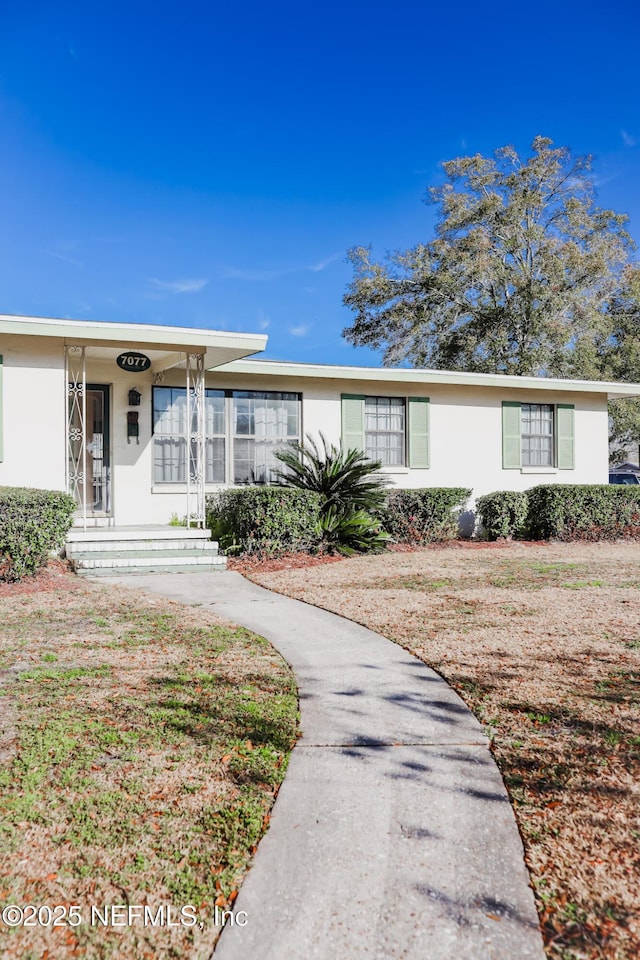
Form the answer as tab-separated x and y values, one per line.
392	835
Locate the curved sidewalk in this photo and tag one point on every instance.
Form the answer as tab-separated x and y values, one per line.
392	835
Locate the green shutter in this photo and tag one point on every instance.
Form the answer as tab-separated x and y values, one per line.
511	442
565	434
1	420
353	422
419	432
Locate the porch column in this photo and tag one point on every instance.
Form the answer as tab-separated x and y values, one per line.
76	400
195	439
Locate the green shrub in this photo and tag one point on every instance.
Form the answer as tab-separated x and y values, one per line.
264	520
33	523
424	516
584	512
503	513
350	532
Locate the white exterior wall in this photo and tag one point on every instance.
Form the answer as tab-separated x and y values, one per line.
465	428
34	426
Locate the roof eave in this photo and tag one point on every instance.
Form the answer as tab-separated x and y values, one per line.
129	335
441	377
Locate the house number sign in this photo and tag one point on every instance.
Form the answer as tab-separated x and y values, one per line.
136	362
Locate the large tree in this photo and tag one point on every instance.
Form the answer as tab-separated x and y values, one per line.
519	278
619	359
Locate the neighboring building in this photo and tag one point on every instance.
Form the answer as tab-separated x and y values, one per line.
109	411
626	467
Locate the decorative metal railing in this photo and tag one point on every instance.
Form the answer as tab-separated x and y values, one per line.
195	440
76	459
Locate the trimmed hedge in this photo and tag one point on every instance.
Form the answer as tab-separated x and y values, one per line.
33	523
503	513
427	515
584	512
264	520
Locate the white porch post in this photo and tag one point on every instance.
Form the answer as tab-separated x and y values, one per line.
195	427
76	399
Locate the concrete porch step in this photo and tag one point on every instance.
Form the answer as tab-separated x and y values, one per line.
218	563
152	531
143	549
146	560
103	557
204	544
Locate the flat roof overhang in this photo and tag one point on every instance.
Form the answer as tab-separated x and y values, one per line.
165	346
446	377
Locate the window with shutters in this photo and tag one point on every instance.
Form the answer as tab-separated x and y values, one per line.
536	436
394	430
384	430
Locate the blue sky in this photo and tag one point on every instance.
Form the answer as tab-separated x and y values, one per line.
197	164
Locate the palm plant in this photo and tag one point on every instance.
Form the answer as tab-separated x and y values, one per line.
351	531
345	479
351	488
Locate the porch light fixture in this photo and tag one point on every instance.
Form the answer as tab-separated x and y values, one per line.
134	397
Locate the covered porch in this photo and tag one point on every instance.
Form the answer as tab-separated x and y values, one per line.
110	371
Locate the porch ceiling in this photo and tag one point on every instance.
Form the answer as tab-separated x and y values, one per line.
164	359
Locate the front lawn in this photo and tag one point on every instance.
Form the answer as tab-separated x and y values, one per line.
543	643
141	747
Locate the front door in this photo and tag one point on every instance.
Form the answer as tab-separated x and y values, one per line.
97	451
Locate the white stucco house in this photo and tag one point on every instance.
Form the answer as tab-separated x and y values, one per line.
109	412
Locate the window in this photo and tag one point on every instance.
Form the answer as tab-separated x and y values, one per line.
215	436
169	429
537	434
394	430
170	442
384	430
262	424
243	430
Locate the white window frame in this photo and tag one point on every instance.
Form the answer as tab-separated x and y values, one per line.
549	412
402	403
275	440
182	439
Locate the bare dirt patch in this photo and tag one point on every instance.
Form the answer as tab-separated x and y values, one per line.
56	575
543	643
287	561
141	747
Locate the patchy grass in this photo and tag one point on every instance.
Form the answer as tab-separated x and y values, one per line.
141	747
543	643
